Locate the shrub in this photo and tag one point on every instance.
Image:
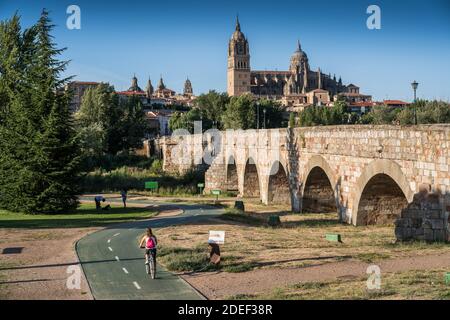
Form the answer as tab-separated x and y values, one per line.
184	259
134	178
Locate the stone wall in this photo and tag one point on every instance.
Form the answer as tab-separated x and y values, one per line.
279	188
412	158
424	219
318	195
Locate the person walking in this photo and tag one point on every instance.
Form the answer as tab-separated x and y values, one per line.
123	194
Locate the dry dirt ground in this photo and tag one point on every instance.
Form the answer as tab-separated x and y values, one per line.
260	282
297	252
40	271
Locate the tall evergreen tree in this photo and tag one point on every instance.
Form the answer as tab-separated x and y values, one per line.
58	161
39	163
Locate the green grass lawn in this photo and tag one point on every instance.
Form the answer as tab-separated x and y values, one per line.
85	216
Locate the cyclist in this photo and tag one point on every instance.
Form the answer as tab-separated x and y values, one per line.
149	242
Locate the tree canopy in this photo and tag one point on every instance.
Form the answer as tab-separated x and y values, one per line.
40	158
109	125
241	113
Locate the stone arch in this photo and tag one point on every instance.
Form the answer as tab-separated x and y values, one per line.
279	190
251	179
319	188
231	175
380	193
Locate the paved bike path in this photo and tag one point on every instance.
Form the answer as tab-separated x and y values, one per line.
114	265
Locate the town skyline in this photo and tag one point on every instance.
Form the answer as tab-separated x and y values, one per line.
383	62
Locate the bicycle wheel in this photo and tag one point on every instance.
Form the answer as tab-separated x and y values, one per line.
147	267
152	267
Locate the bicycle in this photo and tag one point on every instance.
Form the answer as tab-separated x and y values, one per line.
150	263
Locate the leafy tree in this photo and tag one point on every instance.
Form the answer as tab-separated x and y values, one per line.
405	116
274	114
96	106
132	126
381	115
336	115
93	119
240	113
212	105
120	124
432	111
180	120
92	139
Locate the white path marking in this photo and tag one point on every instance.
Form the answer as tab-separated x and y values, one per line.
110	249
125	270
117	258
116	234
137	285
109	240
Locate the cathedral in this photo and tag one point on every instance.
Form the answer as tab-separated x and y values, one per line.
296	87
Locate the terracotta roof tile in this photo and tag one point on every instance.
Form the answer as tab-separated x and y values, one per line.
395	102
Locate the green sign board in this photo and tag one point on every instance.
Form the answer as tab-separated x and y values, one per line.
201	185
447	278
216	192
151	185
333	237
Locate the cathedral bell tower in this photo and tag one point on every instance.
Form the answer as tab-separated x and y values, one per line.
238	73
299	69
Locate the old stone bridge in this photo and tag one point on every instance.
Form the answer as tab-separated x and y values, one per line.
366	174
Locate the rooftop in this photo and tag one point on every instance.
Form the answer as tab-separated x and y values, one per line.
387	102
131	93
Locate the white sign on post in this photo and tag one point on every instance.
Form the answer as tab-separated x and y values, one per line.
217	237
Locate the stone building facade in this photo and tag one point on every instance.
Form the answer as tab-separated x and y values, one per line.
78	88
300	85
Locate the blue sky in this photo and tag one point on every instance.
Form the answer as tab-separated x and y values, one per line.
189	38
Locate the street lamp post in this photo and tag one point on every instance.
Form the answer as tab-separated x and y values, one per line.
415	85
257	115
264	111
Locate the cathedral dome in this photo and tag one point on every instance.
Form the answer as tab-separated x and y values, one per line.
134	85
299	54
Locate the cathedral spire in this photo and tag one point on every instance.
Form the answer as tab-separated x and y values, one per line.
238	25
299	47
161	84
149	89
